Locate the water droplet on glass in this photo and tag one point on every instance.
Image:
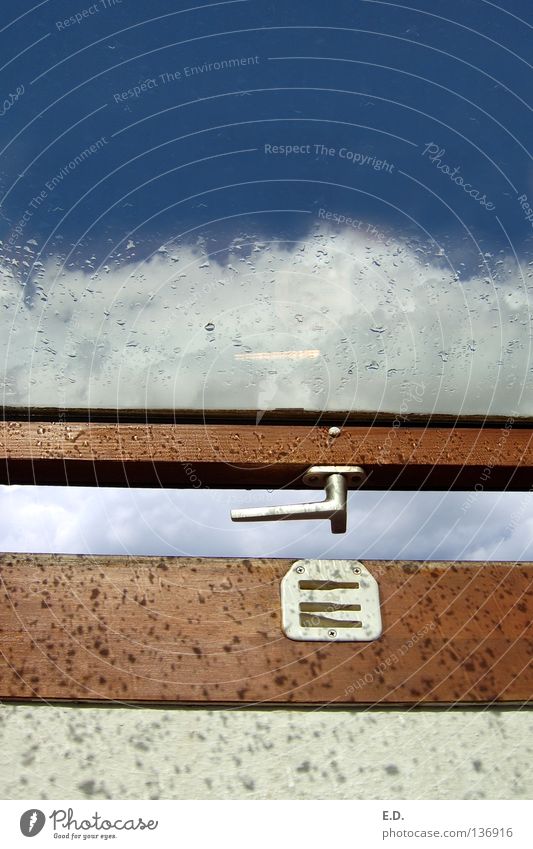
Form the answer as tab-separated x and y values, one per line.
209	326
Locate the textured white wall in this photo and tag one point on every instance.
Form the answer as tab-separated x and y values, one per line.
127	753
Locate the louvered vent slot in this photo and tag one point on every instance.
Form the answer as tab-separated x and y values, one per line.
330	600
327	604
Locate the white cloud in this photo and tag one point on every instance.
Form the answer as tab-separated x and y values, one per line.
428	525
394	324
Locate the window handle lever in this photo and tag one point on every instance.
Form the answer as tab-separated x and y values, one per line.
334	479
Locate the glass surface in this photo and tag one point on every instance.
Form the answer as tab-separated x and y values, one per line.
267	205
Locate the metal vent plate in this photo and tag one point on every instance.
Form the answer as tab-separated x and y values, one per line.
331	600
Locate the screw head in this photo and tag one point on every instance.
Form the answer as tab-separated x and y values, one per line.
332	633
300	570
356	570
334	431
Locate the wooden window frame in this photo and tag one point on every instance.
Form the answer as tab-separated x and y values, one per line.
91	449
207	630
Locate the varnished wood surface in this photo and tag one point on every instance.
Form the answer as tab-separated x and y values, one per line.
280	415
203	630
240	455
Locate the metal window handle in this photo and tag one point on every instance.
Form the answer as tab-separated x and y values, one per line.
334	479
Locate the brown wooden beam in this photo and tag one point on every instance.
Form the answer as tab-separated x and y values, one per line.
280	415
192	630
245	455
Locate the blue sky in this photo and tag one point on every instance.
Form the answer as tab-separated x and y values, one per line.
376	77
351	179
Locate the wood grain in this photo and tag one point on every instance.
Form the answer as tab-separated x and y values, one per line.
172	630
240	455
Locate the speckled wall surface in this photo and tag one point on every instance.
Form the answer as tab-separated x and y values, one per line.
98	753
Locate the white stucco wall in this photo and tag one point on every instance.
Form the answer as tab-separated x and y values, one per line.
80	752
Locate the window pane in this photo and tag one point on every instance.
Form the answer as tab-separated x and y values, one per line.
266	206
